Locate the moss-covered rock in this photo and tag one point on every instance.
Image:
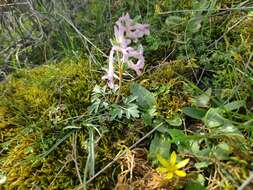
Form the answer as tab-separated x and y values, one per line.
36	105
33	103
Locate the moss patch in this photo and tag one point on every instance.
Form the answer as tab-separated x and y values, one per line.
32	106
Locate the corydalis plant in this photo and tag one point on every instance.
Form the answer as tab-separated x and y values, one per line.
127	33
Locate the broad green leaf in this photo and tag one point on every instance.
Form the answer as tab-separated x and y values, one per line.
164	128
177	135
204	152
160	145
229	131
147	118
194	186
203	99
175	121
181	140
213	118
194	24
145	99
195	147
196	113
234	105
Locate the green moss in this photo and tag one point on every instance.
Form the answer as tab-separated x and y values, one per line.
32	103
32	92
35	107
36	104
166	81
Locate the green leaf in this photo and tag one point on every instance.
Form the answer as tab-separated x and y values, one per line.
234	105
177	135
145	99
222	151
116	112
71	127
91	152
148	116
204	4
124	67
181	140
160	145
229	131
203	99
164	128
213	118
129	99
172	21
204	153
196	113
194	186
132	111
201	179
200	165
175	121
194	24
93	108
195	147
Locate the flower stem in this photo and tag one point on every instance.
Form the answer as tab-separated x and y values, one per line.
120	82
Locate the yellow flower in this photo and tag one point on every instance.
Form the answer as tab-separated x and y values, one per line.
170	167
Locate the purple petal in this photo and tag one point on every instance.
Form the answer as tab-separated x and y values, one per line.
110	73
127	31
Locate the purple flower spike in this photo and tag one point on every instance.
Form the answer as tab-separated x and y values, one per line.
127	32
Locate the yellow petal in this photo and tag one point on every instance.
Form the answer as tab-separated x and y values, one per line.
180	173
169	176
173	158
164	162
162	170
182	163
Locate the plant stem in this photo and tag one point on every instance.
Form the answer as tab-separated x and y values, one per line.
120	82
